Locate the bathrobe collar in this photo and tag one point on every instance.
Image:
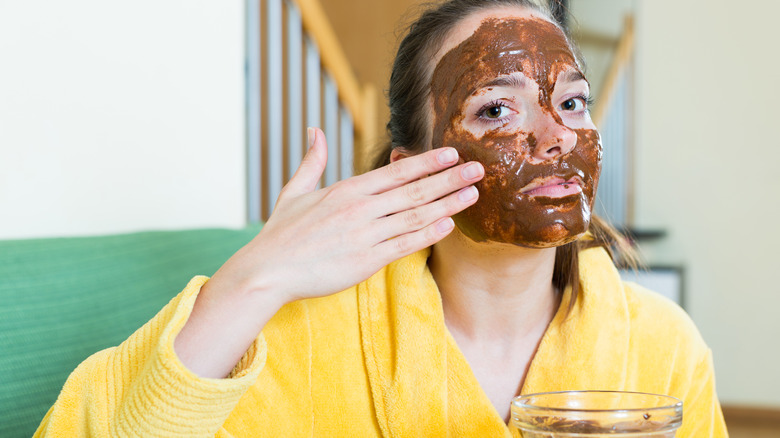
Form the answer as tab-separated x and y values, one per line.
420	381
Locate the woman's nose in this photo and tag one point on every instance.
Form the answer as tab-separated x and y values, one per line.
552	139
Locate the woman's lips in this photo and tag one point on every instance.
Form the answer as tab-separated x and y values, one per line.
553	187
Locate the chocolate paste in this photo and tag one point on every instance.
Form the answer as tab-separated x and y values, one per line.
538	49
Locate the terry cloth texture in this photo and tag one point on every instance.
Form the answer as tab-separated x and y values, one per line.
377	360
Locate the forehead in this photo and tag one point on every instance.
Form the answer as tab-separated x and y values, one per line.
466	27
501	42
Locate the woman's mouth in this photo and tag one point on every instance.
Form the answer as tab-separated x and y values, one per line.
553	187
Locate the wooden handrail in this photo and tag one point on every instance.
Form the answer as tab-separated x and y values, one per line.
623	54
334	60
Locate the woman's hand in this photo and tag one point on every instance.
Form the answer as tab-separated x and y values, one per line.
319	242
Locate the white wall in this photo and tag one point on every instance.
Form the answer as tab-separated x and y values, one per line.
707	173
120	116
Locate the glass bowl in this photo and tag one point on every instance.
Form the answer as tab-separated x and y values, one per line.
595	414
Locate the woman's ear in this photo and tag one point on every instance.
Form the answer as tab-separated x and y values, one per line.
397	154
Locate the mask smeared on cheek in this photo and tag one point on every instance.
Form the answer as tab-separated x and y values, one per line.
503	213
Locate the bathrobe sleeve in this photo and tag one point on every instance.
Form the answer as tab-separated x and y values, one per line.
140	388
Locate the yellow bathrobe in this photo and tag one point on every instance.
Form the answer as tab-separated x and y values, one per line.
377	360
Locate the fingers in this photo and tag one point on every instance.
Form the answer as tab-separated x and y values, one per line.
310	171
406	170
406	244
410	221
428	189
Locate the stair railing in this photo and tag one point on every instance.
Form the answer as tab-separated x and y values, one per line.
614	116
298	76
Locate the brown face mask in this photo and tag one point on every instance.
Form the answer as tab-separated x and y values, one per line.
539	50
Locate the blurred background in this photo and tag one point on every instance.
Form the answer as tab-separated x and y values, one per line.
166	115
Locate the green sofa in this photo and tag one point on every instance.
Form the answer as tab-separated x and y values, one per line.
63	299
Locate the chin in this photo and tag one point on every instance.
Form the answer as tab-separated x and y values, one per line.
560	232
559	236
551	236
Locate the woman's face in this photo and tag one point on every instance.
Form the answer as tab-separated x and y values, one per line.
508	92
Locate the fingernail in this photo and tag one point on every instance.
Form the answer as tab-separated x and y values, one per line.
311	135
445	225
471	171
467	194
447	156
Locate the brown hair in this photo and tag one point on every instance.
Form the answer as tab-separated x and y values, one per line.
409	124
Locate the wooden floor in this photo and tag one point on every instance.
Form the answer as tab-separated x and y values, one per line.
746	430
752	422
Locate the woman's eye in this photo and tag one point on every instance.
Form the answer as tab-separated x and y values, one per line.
496	112
573	104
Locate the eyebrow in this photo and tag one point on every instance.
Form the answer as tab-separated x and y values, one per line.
572	76
519	81
514	80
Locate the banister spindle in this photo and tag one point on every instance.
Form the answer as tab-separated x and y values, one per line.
331	109
254	168
275	162
294	88
313	94
346	143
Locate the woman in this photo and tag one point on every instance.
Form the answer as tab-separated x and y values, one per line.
461	280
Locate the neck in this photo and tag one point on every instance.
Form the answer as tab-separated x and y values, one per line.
494	292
